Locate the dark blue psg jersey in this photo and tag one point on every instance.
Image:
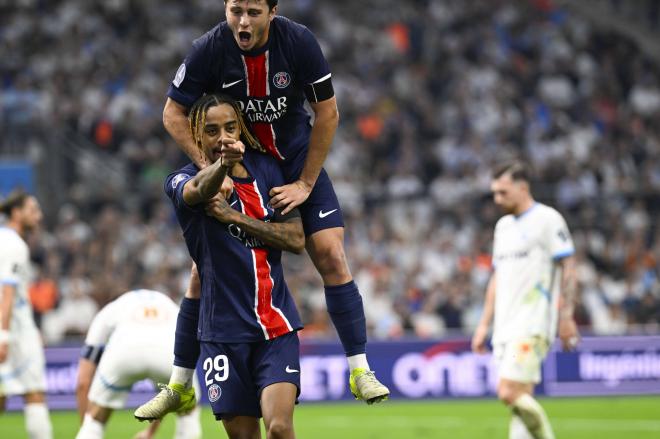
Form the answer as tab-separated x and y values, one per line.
244	296
270	83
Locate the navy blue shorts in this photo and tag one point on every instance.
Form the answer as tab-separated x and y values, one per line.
321	210
235	374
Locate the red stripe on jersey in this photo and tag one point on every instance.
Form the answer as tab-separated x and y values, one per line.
271	318
256	70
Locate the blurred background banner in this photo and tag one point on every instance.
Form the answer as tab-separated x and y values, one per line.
428	369
15	174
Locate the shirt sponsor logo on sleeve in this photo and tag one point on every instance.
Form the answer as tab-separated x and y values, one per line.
178	179
180	75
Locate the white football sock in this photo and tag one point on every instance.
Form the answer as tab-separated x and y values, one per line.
188	426
517	429
182	375
359	360
37	421
91	428
533	416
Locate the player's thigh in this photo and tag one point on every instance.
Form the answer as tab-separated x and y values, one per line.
34	397
326	249
157	356
242	427
114	378
508	391
24	370
520	360
277	361
228	379
321	210
277	403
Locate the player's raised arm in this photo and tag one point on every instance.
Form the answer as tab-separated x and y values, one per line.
480	334
568	332
206	184
285	233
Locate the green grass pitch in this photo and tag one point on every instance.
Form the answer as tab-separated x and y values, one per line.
575	418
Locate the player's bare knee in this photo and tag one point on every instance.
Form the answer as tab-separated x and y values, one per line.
330	260
34	398
507	394
280	429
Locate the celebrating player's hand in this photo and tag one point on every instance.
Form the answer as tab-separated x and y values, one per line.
479	340
218	208
227	187
568	334
289	196
231	152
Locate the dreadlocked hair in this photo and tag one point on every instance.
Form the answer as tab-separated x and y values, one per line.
197	120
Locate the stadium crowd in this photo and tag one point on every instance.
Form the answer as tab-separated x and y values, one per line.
431	94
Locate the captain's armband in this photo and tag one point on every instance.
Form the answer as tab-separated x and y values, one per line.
320	90
92	353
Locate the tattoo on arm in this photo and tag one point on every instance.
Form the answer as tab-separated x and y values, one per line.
205	184
287	236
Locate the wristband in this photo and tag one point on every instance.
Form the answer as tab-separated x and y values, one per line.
4	336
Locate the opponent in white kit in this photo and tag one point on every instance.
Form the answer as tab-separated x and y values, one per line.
130	339
531	292
22	359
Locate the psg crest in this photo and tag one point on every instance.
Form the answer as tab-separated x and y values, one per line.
281	79
214	392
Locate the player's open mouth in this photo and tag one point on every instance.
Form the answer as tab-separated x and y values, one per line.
244	37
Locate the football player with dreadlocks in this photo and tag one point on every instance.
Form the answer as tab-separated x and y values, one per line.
248	320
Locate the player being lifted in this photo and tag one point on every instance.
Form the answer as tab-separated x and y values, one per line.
271	65
130	339
22	361
532	286
248	321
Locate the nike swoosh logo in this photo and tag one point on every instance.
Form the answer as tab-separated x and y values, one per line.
230	84
289	370
323	214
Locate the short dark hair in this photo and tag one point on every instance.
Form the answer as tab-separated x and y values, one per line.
271	4
15	200
517	169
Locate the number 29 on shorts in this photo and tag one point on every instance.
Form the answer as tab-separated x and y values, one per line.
218	364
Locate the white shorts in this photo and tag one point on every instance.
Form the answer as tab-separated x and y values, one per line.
126	362
520	360
24	370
